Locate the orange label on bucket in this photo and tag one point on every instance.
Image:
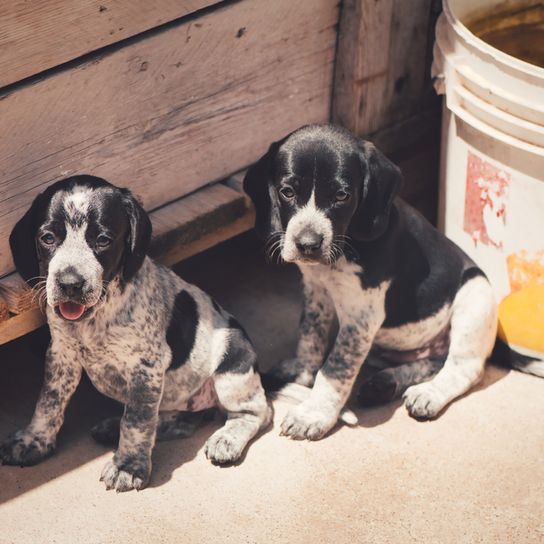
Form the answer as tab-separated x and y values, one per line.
525	269
521	313
485	202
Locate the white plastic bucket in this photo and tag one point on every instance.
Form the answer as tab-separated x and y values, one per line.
492	166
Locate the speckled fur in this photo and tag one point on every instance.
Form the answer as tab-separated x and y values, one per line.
121	344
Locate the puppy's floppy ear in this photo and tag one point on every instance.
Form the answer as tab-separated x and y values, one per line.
138	238
258	185
382	182
22	240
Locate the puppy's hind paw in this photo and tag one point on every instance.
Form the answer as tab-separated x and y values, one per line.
24	448
424	401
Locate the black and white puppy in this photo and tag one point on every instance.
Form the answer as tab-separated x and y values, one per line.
145	337
404	295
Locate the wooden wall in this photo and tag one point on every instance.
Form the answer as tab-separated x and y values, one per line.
40	35
164	112
167	96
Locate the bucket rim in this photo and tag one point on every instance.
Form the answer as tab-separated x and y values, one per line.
469	37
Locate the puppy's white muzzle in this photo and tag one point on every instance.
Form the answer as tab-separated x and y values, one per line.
308	237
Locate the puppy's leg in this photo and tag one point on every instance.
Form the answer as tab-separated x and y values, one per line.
390	383
240	394
130	467
315	324
242	397
29	446
318	414
473	332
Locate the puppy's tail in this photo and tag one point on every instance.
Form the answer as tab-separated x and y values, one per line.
295	392
530	363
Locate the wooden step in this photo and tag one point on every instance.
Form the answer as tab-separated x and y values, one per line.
181	229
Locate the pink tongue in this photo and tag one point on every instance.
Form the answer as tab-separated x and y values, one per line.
71	310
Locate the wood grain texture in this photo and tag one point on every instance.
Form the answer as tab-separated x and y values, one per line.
21	324
180	230
362	63
41	34
198	221
174	111
383	64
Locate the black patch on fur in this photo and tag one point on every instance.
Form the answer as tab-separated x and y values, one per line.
107	216
473	272
272	383
503	355
239	356
181	331
426	269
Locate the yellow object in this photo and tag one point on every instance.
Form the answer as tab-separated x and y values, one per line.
521	319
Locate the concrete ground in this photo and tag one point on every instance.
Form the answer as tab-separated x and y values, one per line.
476	474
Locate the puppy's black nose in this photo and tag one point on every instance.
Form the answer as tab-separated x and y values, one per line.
309	243
70	283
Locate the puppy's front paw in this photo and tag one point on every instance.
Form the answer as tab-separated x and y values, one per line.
126	475
223	447
307	422
25	448
424	401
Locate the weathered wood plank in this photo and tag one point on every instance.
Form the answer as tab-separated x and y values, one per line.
362	63
383	90
174	111
21	324
36	36
15	295
383	63
180	229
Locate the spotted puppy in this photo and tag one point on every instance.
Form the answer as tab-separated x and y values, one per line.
408	300
145	337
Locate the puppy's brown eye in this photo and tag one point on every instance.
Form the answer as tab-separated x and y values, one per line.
48	239
287	193
340	196
103	241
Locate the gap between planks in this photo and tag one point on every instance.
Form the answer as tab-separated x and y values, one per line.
181	229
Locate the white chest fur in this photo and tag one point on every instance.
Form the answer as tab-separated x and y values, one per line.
351	300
